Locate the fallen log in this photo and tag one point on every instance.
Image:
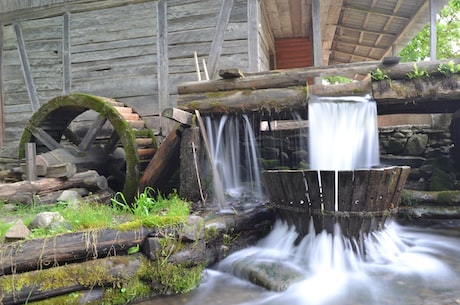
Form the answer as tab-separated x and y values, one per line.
421	95
277	78
27	191
433	95
247	100
45	253
44	284
298	76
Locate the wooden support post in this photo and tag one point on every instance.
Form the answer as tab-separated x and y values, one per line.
31	167
164	163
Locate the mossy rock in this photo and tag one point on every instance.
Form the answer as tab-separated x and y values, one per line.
441	181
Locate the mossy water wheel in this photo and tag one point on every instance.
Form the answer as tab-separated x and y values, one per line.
113	137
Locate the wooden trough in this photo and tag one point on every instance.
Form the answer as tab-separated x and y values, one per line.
360	201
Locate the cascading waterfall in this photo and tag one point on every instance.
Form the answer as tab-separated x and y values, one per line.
234	152
343	133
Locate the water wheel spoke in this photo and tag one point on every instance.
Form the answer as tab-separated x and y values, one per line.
112	143
44	137
92	132
71	136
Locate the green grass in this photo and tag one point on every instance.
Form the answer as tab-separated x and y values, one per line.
147	210
152	211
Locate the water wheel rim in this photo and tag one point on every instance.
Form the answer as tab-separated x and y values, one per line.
78	103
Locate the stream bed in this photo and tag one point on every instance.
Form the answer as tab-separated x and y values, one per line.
404	264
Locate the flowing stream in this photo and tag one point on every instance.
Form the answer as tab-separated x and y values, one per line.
407	265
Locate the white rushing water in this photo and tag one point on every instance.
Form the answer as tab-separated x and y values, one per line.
332	273
343	133
234	154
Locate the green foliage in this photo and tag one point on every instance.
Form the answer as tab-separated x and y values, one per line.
379	75
417	73
175	278
145	211
447	34
449	68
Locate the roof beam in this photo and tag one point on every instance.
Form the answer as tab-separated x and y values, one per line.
374	12
354	54
364	45
357	29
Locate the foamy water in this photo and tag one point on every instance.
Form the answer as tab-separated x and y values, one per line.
404	265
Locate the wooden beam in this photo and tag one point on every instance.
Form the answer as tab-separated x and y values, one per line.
373	12
317	40
162	56
2	123
432	30
31	166
30	84
253	35
164	163
248	100
277	78
218	40
92	132
66	61
361	44
43	137
179	116
361	30
354	54
298	76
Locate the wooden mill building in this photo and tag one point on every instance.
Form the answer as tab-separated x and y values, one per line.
138	51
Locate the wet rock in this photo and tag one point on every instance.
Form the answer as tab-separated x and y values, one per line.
411	161
272	275
394	146
427	211
441	181
430	198
18	231
193	229
416	145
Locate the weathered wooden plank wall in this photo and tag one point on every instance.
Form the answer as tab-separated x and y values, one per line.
111	48
267	42
114	53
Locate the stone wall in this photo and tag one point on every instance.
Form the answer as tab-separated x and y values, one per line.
426	149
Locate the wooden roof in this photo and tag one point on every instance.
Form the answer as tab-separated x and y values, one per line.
352	30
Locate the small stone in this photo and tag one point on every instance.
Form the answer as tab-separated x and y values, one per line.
70	197
45	219
9	207
18	231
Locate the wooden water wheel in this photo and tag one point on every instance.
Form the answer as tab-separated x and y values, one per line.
114	140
